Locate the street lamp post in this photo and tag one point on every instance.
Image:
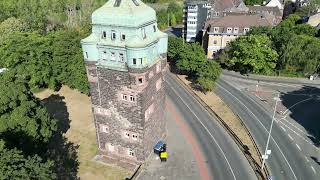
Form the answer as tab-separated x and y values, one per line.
268	152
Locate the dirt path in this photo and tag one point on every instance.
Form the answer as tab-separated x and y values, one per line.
80	130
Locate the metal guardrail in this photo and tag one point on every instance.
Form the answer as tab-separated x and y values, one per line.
244	149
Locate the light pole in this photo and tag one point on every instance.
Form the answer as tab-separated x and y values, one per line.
268	152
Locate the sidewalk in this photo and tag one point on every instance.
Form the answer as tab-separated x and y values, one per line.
181	163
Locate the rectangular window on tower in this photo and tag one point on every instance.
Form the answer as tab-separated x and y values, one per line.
132	98
113	56
124	97
113	35
104	55
140	81
104	35
121	57
123	37
134	61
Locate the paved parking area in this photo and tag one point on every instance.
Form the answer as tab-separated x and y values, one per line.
181	163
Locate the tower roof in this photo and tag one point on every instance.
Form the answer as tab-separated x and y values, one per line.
132	13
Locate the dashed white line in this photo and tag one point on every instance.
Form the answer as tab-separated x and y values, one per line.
283	128
295	177
298	147
314	171
295	132
290	137
287	121
306	158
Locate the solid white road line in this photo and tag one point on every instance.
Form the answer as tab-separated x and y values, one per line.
290	137
215	141
314	171
296	133
298	147
283	128
287	121
295	177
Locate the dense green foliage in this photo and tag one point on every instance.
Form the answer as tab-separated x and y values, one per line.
296	46
171	16
47	15
311	7
46	60
14	165
25	130
67	59
253	2
253	53
190	59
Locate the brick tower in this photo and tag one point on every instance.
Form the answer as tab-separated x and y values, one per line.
126	57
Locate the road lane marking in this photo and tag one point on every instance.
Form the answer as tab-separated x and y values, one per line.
287	121
306	158
314	171
298	147
290	137
215	141
283	128
295	177
296	133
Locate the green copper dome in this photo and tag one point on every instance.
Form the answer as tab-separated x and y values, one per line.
124	13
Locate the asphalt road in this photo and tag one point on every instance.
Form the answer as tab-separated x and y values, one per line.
224	159
286	162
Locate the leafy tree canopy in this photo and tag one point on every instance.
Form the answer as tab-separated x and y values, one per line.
253	53
253	2
191	59
14	165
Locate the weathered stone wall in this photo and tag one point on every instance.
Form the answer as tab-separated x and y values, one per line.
115	117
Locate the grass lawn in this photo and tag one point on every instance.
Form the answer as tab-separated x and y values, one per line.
73	109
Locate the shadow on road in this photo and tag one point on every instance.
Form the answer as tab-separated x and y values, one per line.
304	107
63	152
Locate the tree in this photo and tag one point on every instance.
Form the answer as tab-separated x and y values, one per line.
67	59
260	30
253	53
208	75
9	26
309	8
192	58
176	12
25	130
22	115
205	84
253	2
173	21
30	54
14	165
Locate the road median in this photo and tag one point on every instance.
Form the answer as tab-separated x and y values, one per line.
231	123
